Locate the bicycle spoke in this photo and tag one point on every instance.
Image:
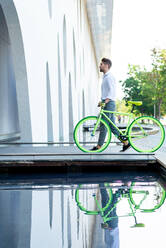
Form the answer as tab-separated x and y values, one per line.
147	197
90	201
86	134
146	134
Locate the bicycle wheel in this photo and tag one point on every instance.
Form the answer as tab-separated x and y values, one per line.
147	196
84	137
146	134
86	198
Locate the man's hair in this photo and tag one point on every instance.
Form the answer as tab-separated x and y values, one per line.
107	61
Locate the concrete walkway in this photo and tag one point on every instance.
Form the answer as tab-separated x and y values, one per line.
70	154
161	158
160	155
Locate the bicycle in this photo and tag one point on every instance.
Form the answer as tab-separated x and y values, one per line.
145	197
145	134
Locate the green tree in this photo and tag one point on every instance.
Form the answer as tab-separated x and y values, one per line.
136	87
121	106
159	80
148	86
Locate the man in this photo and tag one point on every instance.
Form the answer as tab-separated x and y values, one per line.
111	226
108	96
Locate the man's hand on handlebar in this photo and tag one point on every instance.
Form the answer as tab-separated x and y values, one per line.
101	104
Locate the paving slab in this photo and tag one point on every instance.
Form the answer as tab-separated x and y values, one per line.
161	159
24	155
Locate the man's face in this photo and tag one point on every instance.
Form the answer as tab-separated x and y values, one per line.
103	67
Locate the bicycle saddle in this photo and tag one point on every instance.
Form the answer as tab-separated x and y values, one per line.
137	103
138	225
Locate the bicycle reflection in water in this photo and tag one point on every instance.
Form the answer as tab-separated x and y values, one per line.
103	200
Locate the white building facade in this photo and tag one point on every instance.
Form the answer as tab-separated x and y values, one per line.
49	77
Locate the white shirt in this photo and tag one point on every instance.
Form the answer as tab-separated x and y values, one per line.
108	87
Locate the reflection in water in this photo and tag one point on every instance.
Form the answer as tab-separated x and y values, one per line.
111	219
108	214
141	197
15	218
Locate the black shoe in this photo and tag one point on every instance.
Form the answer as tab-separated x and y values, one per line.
105	226
94	148
125	147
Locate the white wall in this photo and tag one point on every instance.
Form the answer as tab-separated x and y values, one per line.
58	53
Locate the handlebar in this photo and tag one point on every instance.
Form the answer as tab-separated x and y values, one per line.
101	104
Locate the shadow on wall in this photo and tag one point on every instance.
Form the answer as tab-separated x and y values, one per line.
49	108
50	8
14	99
74	56
9	124
83	103
64	44
61	135
71	127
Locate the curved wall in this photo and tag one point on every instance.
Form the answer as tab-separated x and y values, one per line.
16	118
47	46
9	124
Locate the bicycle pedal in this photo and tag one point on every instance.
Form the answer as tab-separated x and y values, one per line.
123	137
105	226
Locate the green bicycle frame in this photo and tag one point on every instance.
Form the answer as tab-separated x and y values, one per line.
102	113
132	208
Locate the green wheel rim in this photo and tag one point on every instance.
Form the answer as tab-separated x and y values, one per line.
82	208
155	148
76	138
143	209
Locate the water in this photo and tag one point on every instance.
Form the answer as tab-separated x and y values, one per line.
37	211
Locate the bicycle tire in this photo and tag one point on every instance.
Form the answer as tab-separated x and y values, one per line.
144	206
146	134
92	212
83	134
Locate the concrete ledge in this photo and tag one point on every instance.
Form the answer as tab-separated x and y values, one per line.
161	159
67	156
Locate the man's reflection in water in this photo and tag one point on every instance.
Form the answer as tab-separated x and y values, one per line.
112	229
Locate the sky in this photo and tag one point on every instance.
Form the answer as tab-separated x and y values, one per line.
138	27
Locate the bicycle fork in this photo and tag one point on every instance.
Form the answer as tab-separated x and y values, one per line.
96	125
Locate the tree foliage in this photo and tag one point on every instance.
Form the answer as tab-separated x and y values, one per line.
148	86
121	106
